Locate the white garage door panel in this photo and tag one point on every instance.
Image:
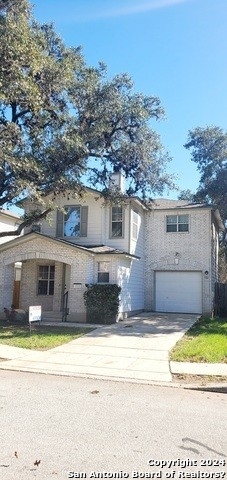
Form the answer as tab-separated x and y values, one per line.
179	292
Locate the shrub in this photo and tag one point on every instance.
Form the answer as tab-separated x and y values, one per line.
102	303
15	316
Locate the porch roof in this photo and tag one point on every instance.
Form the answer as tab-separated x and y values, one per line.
105	249
89	249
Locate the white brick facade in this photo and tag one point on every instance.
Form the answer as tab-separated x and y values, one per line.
193	250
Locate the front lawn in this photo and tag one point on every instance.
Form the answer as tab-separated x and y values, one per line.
205	341
41	338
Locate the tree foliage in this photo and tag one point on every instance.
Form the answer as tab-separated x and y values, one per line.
61	119
186	195
5	4
208	148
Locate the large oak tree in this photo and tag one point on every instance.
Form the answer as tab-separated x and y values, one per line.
208	147
61	120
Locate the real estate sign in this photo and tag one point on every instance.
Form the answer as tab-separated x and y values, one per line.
35	313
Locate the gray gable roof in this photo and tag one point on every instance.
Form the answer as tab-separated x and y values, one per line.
90	249
166	204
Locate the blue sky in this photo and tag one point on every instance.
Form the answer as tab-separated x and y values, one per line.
173	49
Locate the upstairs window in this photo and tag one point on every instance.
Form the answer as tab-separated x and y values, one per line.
74	222
103	272
177	223
46	279
116	222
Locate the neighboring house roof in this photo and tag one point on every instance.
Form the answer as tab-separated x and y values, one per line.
10	214
92	250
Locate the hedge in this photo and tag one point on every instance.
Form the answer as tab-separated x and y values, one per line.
102	302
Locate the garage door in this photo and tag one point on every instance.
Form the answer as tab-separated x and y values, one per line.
179	292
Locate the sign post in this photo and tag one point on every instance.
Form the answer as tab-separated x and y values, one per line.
35	313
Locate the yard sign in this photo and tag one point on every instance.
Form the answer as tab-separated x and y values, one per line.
35	313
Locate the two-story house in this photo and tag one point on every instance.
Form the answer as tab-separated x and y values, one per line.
163	255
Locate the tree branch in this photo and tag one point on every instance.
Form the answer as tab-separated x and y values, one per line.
14	112
20	114
24	224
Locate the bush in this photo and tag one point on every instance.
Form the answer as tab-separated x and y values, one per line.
15	316
102	303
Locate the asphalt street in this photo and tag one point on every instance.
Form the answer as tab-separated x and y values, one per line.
62	427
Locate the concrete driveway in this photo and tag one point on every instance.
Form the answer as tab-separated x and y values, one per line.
136	349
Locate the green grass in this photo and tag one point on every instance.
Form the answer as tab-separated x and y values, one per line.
41	338
206	341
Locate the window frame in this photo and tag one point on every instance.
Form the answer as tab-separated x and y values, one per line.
50	281
117	221
178	223
105	271
67	207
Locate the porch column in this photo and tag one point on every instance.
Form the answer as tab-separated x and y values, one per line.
58	287
77	312
73	293
8	283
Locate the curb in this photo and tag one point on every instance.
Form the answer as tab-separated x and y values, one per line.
187	368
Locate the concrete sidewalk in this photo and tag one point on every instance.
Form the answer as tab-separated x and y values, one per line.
134	350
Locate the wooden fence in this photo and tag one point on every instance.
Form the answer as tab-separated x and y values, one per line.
220	299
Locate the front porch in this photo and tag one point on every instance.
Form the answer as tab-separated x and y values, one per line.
49	270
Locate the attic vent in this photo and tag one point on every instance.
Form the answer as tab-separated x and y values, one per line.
36	228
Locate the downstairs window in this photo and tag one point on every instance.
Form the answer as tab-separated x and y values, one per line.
46	275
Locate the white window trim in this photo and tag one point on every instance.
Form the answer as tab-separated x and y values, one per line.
48	280
111	222
64	221
103	267
178	223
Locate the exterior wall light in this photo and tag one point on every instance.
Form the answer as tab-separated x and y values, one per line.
177	257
